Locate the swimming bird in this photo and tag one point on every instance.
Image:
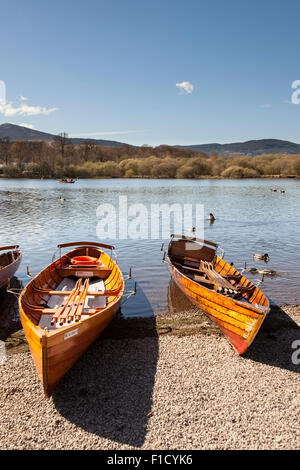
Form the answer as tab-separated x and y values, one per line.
192	230
258	256
211	217
61	199
265	272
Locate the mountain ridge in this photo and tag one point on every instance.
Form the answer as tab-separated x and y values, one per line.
15	132
249	148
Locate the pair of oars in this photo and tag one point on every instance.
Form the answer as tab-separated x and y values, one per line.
78	305
73	304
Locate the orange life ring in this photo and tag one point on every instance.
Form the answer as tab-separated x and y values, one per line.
84	260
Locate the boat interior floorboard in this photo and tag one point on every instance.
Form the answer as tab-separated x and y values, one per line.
68	284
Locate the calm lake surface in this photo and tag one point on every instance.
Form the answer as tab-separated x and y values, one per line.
250	218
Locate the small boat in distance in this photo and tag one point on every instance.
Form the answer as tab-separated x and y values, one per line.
65	307
9	263
67	180
234	303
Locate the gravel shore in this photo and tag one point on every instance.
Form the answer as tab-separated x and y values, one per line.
170	388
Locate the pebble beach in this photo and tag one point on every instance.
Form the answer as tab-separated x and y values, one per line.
172	382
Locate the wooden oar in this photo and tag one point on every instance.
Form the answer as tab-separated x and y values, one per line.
82	300
216	278
63	317
76	304
66	302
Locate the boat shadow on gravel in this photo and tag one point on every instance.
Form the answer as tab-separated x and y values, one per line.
273	343
108	392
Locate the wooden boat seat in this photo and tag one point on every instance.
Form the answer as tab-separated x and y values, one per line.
189	268
96	271
108	292
202	280
184	266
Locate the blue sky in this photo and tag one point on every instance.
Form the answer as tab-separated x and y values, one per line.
109	69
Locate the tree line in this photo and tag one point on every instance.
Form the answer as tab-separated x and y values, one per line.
62	158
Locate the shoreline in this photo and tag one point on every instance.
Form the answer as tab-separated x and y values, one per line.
172	383
296	177
193	322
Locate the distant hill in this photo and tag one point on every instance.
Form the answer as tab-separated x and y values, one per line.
15	132
252	147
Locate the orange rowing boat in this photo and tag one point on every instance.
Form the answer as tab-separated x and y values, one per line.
233	302
66	306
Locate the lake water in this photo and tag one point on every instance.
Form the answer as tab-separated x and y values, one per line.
250	218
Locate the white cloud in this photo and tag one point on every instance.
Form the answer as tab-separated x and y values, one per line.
29	126
24	109
185	87
2	92
95	134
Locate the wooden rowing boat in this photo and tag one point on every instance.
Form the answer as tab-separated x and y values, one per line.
67	180
9	263
66	306
233	302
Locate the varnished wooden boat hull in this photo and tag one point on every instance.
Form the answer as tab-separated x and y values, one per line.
54	352
9	271
239	321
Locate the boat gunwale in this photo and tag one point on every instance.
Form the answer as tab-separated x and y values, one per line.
18	259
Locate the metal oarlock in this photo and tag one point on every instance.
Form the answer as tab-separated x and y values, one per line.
54	256
164	257
131	292
28	274
222	252
129	275
258	282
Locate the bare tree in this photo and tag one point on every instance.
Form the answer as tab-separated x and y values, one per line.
88	147
62	140
4	149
